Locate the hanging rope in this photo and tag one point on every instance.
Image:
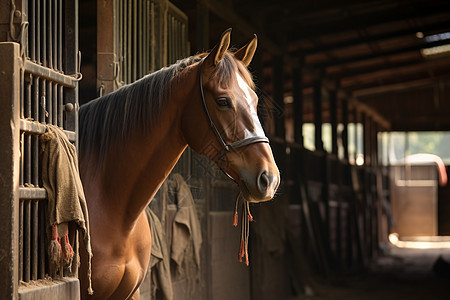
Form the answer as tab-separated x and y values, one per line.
245	227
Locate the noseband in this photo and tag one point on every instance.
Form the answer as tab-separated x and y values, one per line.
234	145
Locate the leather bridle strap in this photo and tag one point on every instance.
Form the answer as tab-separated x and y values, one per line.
211	123
227	147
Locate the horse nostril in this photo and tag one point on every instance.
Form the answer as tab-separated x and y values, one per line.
263	182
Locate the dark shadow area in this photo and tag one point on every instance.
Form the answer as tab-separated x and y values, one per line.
396	274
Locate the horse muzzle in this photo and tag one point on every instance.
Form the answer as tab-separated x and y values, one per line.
259	188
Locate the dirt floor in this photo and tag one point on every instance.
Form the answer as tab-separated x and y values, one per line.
397	274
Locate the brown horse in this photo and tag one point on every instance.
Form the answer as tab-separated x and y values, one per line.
131	139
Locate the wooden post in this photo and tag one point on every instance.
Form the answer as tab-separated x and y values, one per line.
355	136
105	47
318	115
374	144
333	121
298	106
365	121
9	169
278	94
344	135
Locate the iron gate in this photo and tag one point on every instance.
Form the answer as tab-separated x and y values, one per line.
137	38
42	89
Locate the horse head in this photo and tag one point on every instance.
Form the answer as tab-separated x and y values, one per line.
227	129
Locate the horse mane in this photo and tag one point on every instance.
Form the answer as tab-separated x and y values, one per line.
111	118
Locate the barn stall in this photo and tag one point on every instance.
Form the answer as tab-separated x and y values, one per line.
336	81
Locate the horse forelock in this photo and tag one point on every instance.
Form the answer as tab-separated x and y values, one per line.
227	69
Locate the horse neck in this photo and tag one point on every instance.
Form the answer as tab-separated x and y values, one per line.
132	173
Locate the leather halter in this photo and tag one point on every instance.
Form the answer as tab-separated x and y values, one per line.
234	145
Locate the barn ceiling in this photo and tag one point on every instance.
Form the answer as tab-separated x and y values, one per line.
371	52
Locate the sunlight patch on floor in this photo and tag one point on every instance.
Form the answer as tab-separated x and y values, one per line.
421	242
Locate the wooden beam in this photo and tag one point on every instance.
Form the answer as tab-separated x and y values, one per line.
385	65
362	107
317	98
400	73
298	105
378	37
312	28
354	59
426	66
398	86
369	111
308	6
425	123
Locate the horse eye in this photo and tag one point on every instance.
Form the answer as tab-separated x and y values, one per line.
224	102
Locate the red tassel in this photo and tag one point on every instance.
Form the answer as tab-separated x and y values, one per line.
249	216
56	239
54	251
235	219
246	258
241	251
55	233
68	250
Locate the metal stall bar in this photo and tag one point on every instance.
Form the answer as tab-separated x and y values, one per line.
126	37
43	60
41	246
37	41
129	36
26	241
152	36
71	63
60	38
20	266
32	31
50	85
59	67
140	47
34	240
145	45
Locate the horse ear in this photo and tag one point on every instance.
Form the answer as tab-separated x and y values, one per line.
245	54
218	52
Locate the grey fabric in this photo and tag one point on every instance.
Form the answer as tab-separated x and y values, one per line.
159	259
186	230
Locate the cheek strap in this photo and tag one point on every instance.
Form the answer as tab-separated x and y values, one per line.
237	144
